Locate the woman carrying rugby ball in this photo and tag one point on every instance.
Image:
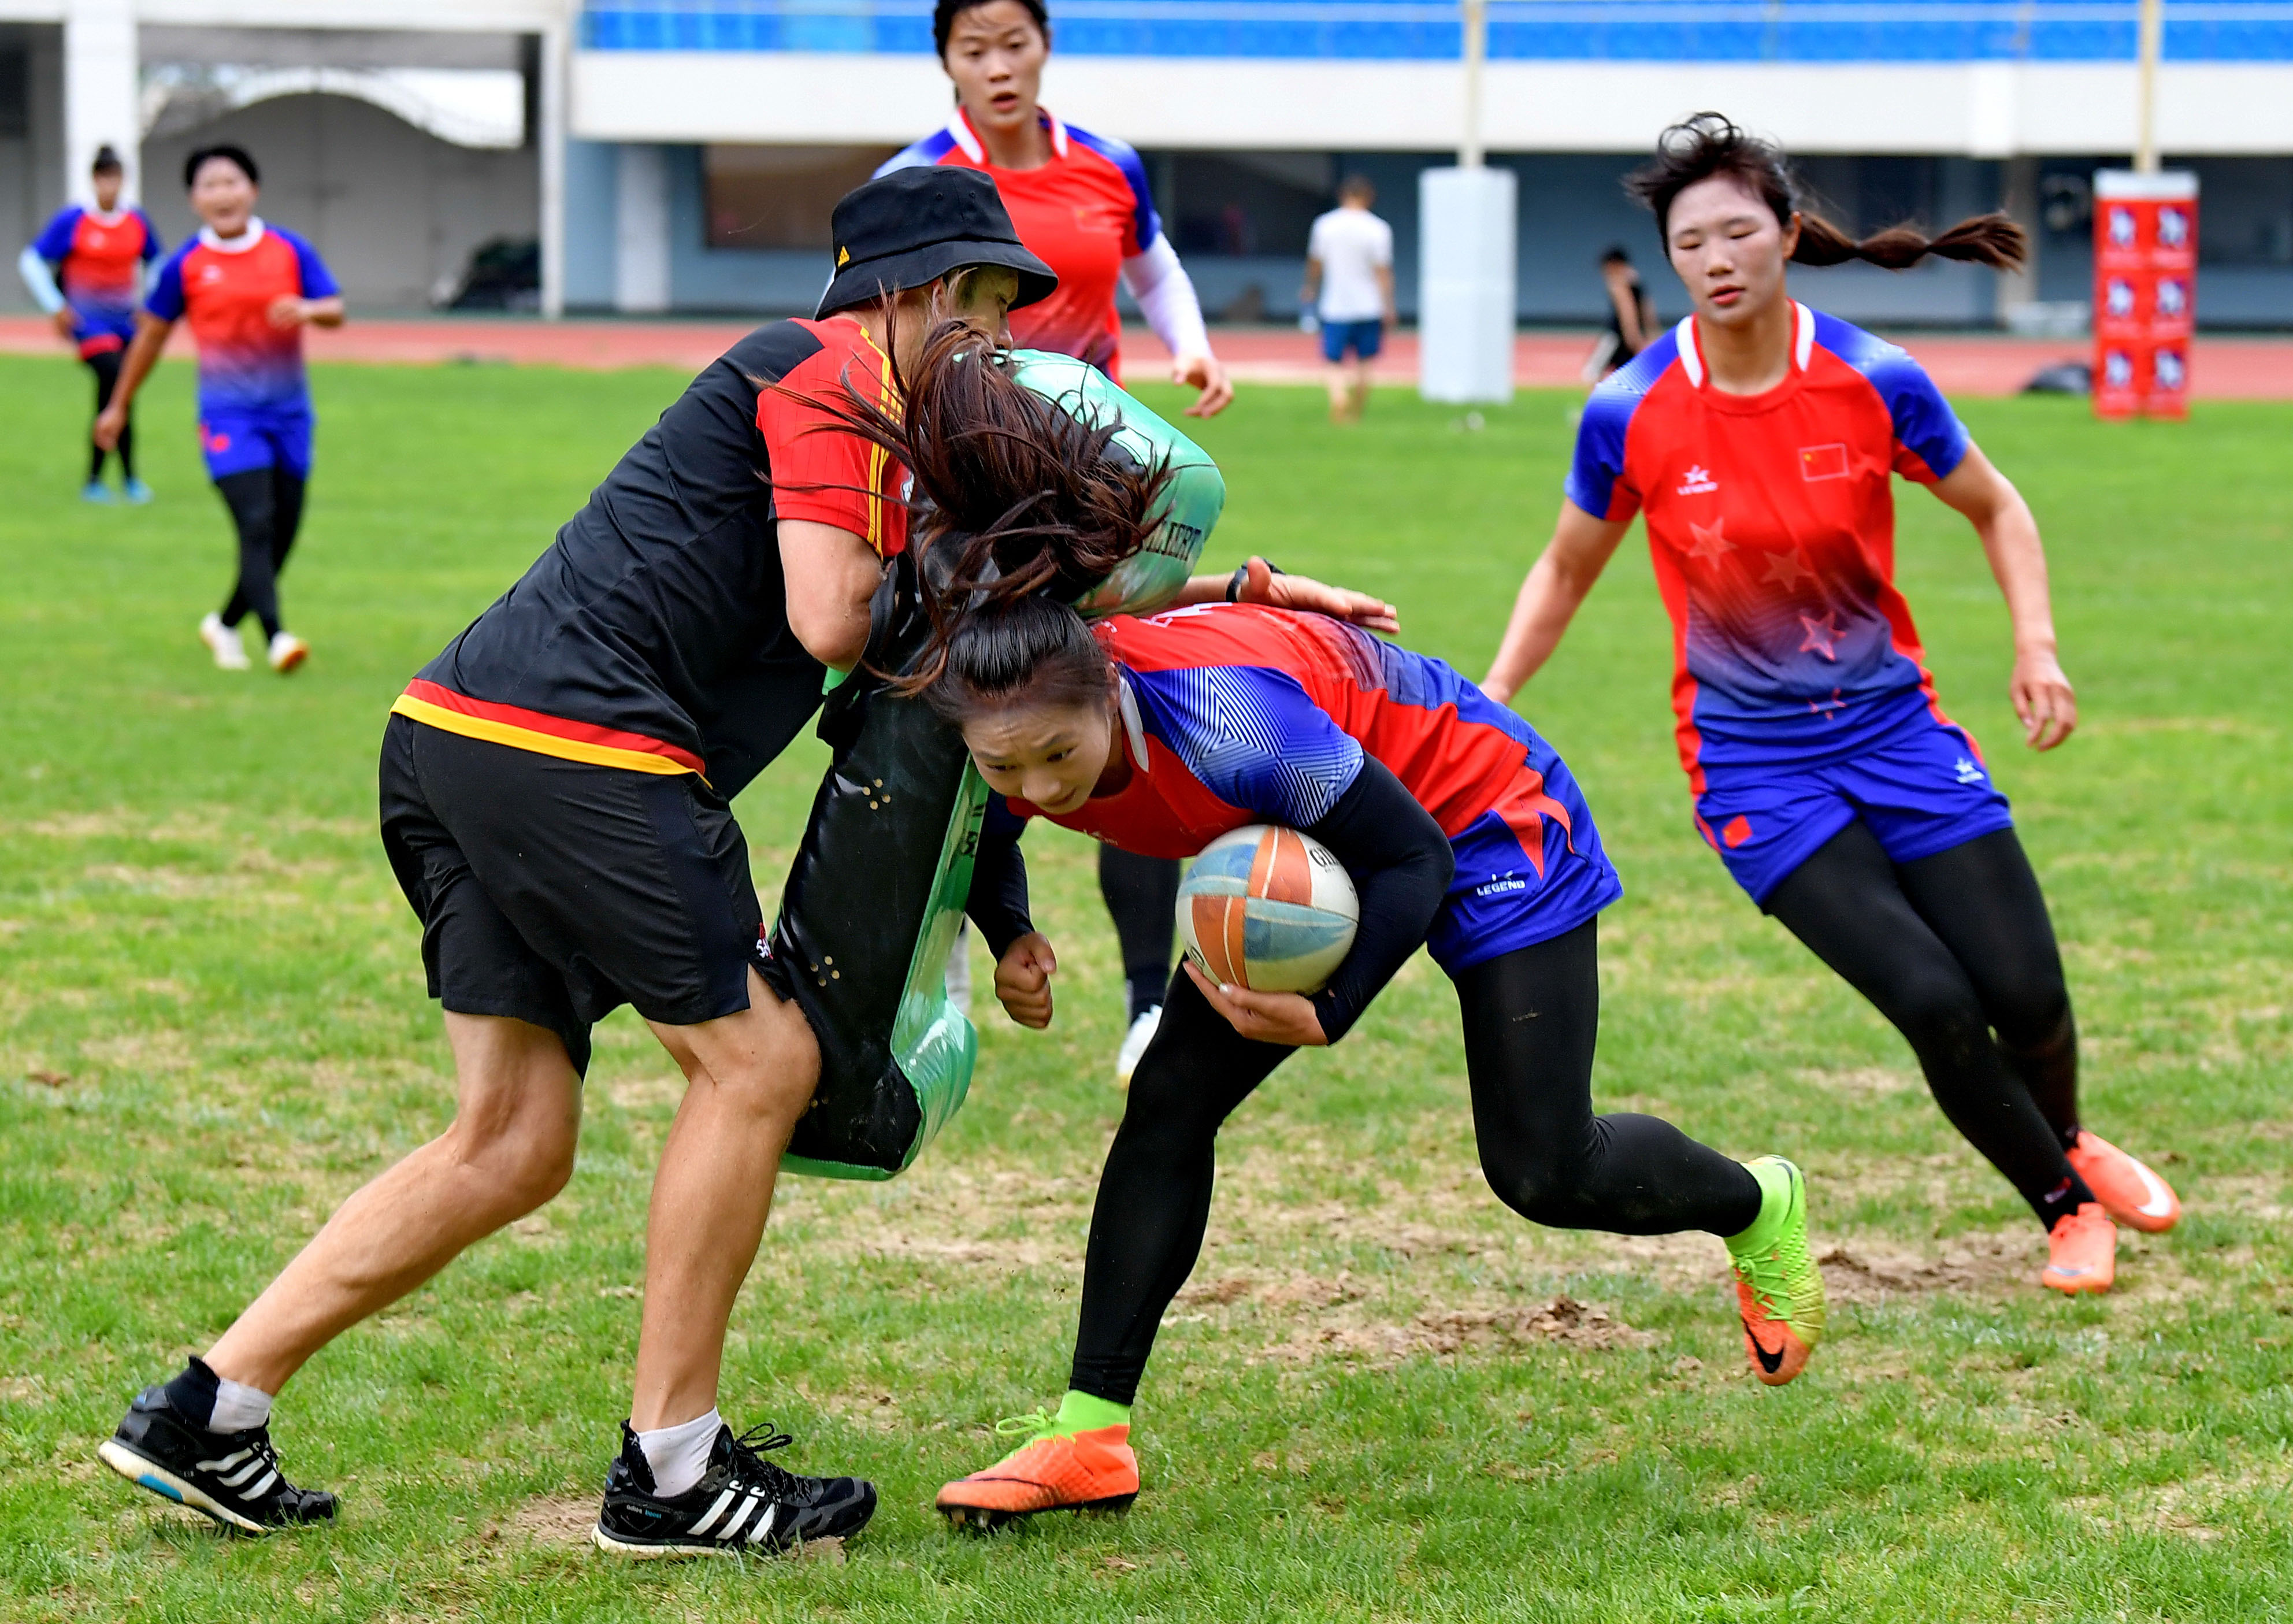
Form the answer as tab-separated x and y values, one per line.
1464	833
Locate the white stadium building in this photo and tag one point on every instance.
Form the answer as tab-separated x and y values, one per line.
652	156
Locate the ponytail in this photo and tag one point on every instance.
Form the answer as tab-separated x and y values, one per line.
1013	495
1709	144
1986	239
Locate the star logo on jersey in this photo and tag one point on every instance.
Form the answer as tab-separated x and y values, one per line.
1827	709
1822	635
1711	546
1785	569
210	273
1697	481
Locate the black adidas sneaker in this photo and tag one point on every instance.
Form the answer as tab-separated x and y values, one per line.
232	1477
743	1502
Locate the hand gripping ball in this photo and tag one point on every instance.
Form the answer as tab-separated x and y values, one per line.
1269	909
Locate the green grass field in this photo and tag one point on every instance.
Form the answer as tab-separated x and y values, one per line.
213	1026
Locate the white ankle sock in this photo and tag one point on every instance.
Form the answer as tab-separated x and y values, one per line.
239	1407
678	1454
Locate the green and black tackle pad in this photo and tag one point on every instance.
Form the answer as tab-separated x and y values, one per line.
879	885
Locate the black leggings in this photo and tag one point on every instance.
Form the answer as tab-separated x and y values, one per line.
1142	896
106	368
266	505
1958	952
1530	1020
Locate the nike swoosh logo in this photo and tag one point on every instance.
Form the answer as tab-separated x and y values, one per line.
2068	1273
1768	1363
2161	1199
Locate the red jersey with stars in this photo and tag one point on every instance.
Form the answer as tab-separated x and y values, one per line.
98	259
1082	214
1771	523
226	287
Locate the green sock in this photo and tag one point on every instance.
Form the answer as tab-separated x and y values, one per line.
1775	1202
1081	1412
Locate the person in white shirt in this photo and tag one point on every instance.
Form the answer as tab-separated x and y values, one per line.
1349	287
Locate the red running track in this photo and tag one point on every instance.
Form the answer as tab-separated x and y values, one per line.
1978	364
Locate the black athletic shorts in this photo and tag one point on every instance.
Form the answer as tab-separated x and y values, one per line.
553	890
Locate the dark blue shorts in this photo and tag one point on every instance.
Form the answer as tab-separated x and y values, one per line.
1499	900
236	440
1364	339
1921	788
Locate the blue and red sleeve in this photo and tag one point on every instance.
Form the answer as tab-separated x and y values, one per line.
152	248
318	281
54	244
1145	225
1930	440
165	299
1252	736
921	155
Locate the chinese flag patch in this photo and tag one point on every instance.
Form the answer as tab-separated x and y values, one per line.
1823	462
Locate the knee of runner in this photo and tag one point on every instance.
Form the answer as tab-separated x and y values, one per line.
1539	1189
2032	1012
1939	1013
525	1160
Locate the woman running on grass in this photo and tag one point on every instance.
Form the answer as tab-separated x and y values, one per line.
1758	435
248	290
1082	201
1463	833
84	270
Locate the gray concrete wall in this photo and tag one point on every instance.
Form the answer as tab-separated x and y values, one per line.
394	210
32	154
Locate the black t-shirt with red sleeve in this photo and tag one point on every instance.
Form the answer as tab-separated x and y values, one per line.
654	634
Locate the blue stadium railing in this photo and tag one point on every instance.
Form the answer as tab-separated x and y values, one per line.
1559	30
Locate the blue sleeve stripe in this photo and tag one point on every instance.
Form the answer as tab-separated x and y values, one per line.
1252	736
318	281
54	244
1924	422
165	299
1147	224
920	155
1600	458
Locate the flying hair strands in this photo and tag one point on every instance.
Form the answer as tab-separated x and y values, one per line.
1030	497
1709	144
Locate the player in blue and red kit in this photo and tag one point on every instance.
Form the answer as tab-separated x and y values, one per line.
248	290
1464	833
1759	437
86	269
1081	202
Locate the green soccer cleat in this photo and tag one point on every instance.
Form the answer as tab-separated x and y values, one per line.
1779	1289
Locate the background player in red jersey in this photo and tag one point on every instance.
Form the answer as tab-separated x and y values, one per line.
1759	437
86	269
1464	833
1082	201
248	290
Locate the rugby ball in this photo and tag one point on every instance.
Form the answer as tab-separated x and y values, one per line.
1269	909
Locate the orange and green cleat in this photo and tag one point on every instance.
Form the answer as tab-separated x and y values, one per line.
2081	1252
1779	1289
1093	1470
2128	1191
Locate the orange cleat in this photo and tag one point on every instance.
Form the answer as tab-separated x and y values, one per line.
2128	1191
1089	1471
2082	1251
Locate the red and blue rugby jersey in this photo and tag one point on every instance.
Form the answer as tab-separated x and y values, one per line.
1242	714
96	258
226	288
1082	214
1771	522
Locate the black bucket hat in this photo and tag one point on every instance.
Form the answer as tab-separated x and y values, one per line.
911	227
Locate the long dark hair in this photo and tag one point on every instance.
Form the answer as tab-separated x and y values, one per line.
1032	651
1013	495
1709	144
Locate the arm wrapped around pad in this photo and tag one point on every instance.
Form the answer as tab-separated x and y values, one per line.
881	881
